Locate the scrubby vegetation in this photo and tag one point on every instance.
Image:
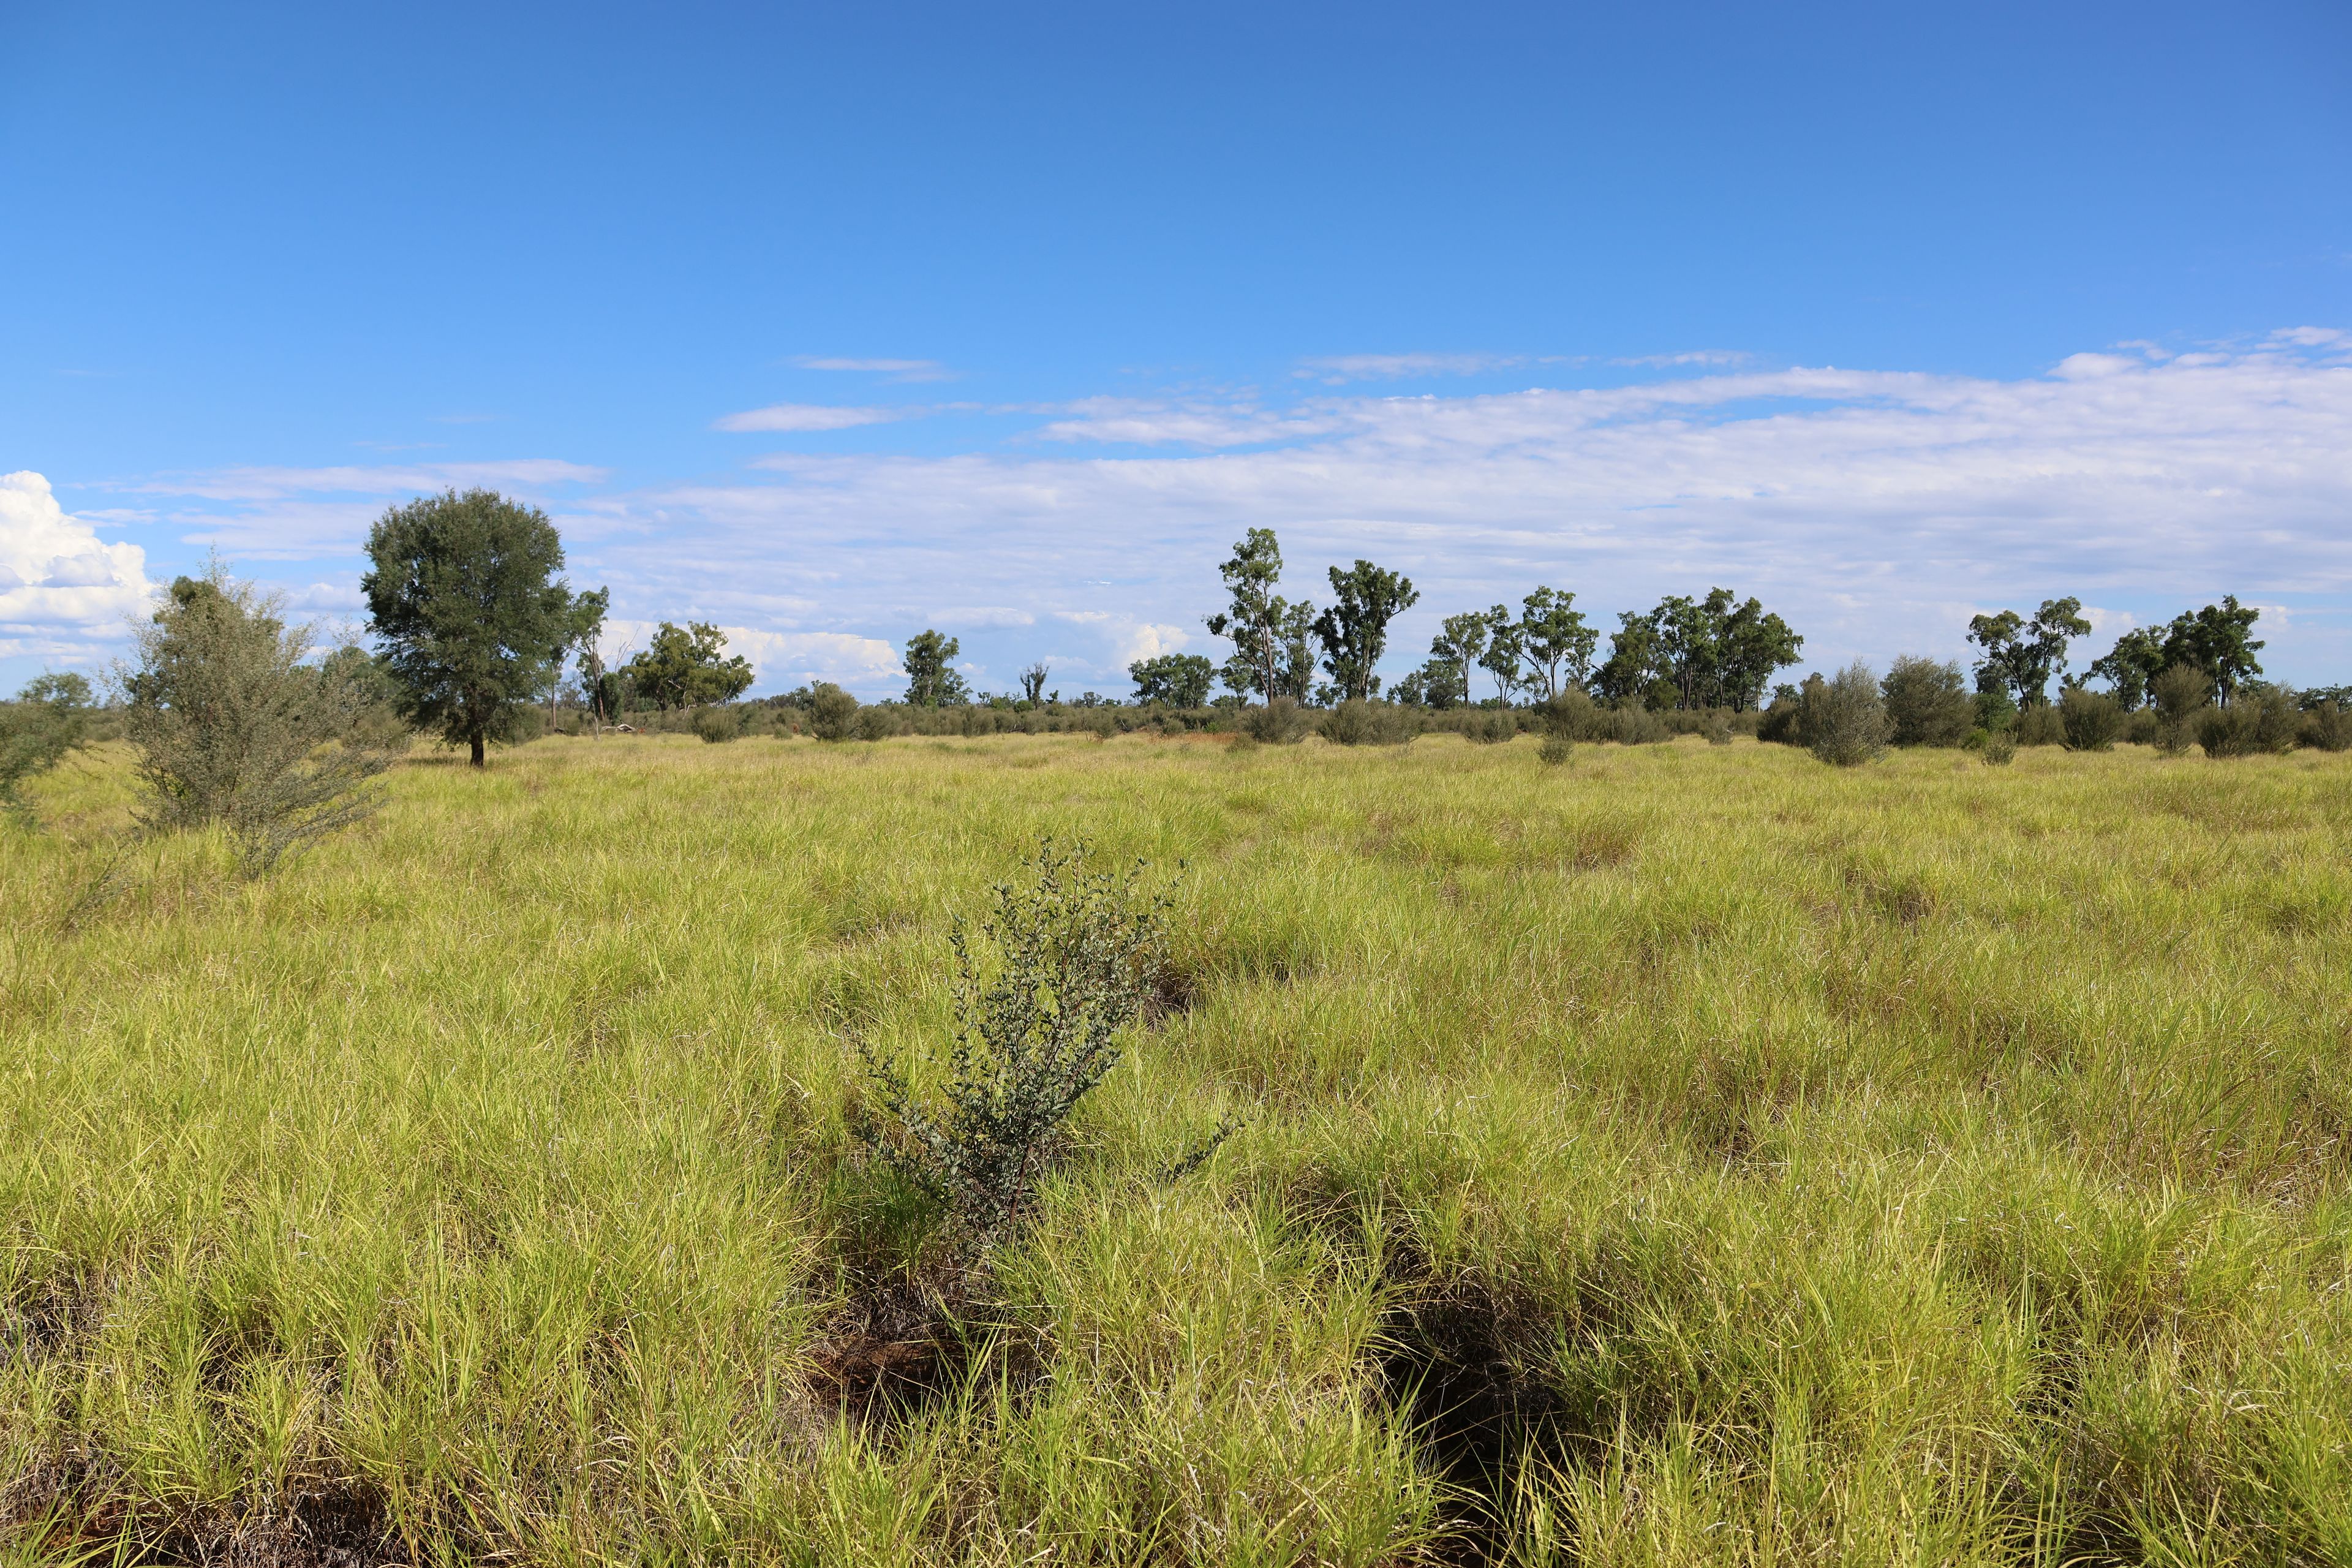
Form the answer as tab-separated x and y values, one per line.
1693	1154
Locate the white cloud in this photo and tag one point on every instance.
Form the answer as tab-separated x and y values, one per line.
809	416
985	616
64	593
895	369
1334	370
1694	356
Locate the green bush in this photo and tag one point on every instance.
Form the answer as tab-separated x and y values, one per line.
1360	722
1076	958
2181	693
50	718
2261	720
1556	748
876	722
1716	726
1845	719
718	724
1491	727
1926	703
2326	728
232	726
832	713
2000	748
1281	722
2040	725
2090	719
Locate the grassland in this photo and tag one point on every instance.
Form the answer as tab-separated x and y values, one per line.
1687	1155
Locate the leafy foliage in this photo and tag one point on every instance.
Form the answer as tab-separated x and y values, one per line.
2091	720
2217	639
1074	957
1686	653
687	666
1354	631
932	678
1359	723
1281	722
49	719
231	726
1845	719
1274	653
462	592
2131	667
1556	643
2021	655
2180	694
1177	680
832	713
2261	720
1926	702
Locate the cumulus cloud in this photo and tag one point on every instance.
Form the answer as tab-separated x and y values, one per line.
790	416
64	593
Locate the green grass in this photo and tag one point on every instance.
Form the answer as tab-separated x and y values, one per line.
1924	1163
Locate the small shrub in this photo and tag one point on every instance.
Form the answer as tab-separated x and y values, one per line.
1556	748
50	718
2180	693
1076	958
1717	728
1845	718
2141	728
1995	710
2000	748
232	727
1926	703
2327	727
1357	722
2263	719
717	725
832	713
2090	719
2040	726
876	722
1492	727
1281	722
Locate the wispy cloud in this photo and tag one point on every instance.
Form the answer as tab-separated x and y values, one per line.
1693	357
1338	369
894	369
789	416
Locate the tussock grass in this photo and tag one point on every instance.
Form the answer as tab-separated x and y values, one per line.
1688	1154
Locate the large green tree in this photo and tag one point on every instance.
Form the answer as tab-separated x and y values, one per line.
1555	642
2022	656
2131	667
1453	652
1272	637
932	680
2217	639
1178	679
1354	631
464	595
687	666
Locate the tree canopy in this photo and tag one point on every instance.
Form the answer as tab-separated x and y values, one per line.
687	666
2022	656
1178	679
1354	631
463	593
932	680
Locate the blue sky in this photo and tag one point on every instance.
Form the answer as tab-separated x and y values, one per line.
830	324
